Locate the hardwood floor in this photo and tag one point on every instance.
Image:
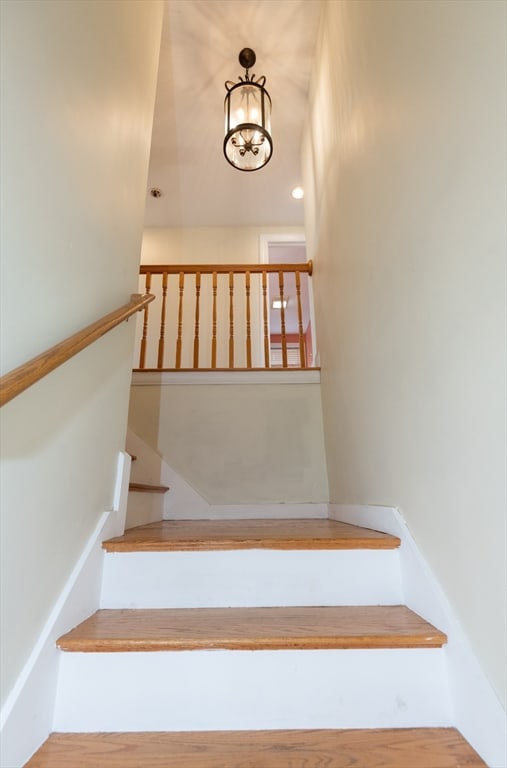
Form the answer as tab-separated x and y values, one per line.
179	535
252	629
398	748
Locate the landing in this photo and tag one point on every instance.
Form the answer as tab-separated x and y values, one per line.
248	534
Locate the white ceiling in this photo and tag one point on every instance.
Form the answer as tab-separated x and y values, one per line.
201	40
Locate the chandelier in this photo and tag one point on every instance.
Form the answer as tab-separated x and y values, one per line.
247	145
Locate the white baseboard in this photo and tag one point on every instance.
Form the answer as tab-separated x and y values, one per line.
26	718
263	511
478	712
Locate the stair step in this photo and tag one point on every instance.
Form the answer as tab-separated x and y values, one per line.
212	563
148	488
386	748
201	535
342	627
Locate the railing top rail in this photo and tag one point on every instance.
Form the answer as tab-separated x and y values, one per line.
19	379
209	269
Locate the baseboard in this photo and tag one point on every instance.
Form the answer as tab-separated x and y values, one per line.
26	718
478	712
266	511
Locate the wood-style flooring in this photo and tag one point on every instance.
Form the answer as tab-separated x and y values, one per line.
399	748
179	629
185	535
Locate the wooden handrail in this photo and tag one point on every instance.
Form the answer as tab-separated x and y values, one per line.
16	381
209	269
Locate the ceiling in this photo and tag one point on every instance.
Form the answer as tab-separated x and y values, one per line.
201	40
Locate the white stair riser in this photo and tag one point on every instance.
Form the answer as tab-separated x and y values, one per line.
251	578
233	690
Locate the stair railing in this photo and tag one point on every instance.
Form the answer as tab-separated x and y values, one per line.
19	379
220	317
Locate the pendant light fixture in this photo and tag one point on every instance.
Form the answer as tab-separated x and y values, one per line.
247	144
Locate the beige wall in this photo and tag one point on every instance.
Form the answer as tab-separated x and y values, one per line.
206	245
238	444
405	178
78	86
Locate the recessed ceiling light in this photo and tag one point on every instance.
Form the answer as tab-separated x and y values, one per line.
298	193
278	303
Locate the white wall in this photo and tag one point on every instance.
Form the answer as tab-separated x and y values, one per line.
237	444
405	181
78	86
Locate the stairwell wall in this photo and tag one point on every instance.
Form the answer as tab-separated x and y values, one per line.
238	444
405	203
78	89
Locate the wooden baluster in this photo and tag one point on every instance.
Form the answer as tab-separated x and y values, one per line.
180	320
231	320
214	324
282	322
265	312
142	353
248	323
197	300
302	351
161	341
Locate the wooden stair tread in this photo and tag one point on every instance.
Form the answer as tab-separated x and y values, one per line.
252	629
389	748
148	487
206	535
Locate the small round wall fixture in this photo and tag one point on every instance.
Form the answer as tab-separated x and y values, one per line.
247	144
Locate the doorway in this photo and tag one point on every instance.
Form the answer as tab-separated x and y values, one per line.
289	249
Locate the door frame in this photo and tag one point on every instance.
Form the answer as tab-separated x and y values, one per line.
292	238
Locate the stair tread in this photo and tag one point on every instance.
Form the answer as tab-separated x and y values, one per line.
176	629
206	535
148	487
386	748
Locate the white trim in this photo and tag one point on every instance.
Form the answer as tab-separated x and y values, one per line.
121	493
289	239
266	239
478	712
264	511
278	376
26	719
277	511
